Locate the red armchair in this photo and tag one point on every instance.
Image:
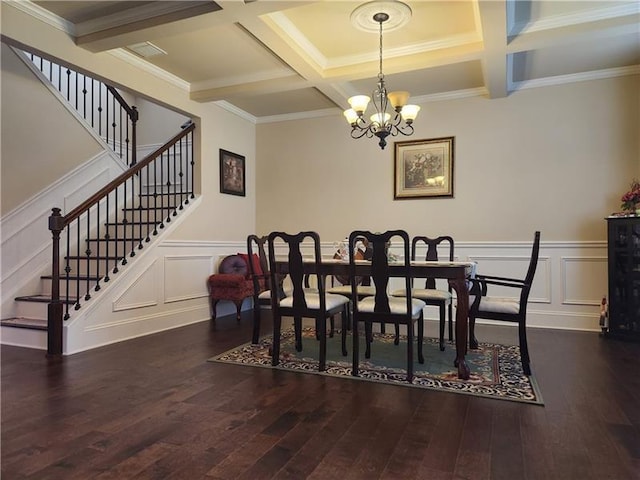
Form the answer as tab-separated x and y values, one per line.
232	283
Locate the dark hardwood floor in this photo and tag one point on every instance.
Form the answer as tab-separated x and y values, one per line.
154	408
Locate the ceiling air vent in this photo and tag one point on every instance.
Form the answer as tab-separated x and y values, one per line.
146	49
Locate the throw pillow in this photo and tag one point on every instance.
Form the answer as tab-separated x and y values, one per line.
257	269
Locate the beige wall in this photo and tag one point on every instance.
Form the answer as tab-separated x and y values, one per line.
35	149
555	159
156	123
218	216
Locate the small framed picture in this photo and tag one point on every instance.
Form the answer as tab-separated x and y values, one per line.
424	168
232	173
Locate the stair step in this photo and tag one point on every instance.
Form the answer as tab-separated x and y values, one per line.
44	299
84	257
119	240
22	322
63	277
165	207
150	194
122	224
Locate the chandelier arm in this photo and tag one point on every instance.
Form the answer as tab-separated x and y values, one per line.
357	132
405	130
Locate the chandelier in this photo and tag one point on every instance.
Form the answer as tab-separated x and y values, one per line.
385	121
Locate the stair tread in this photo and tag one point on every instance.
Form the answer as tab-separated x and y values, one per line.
130	209
72	277
23	322
41	298
162	194
130	223
93	257
114	239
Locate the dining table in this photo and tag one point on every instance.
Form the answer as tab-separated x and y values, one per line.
457	273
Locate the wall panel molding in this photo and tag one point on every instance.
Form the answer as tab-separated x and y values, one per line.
141	292
580	275
185	277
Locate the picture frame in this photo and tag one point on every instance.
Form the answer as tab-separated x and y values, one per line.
232	173
424	168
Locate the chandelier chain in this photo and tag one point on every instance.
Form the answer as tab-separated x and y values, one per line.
380	74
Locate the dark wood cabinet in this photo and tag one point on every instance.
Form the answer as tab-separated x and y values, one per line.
624	277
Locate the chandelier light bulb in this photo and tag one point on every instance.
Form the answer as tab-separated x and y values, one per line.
398	99
351	115
359	103
380	118
409	113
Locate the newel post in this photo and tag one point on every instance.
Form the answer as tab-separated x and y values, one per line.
54	314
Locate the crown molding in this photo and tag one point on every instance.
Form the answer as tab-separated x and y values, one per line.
558	21
327	112
142	64
574	77
43	15
235	110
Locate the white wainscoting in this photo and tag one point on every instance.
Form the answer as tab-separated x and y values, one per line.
26	239
166	288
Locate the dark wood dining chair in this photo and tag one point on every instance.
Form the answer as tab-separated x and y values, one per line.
303	302
383	308
512	309
430	294
259	272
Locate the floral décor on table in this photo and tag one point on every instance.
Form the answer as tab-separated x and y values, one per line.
631	199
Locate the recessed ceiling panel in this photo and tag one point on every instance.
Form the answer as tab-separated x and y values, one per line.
82	11
429	81
221	55
327	27
612	52
530	11
282	103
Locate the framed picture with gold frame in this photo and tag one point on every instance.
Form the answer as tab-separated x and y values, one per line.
232	173
424	168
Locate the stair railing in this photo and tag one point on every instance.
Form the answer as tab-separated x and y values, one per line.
104	231
99	104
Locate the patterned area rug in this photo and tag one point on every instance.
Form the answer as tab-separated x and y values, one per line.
496	371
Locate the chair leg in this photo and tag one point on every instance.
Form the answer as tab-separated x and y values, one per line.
355	347
473	342
524	348
255	337
238	309
213	302
322	364
345	322
333	326
396	341
409	352
297	327
368	334
450	308
442	325
420	338
275	347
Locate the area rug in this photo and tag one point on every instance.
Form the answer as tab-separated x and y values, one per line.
496	371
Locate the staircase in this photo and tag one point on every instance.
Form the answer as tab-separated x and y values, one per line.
88	272
93	241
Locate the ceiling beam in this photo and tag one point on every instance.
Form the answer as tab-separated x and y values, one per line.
197	16
493	15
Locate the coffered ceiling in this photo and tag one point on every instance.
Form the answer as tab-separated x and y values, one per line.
270	60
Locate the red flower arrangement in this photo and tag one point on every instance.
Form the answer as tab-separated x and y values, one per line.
631	199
